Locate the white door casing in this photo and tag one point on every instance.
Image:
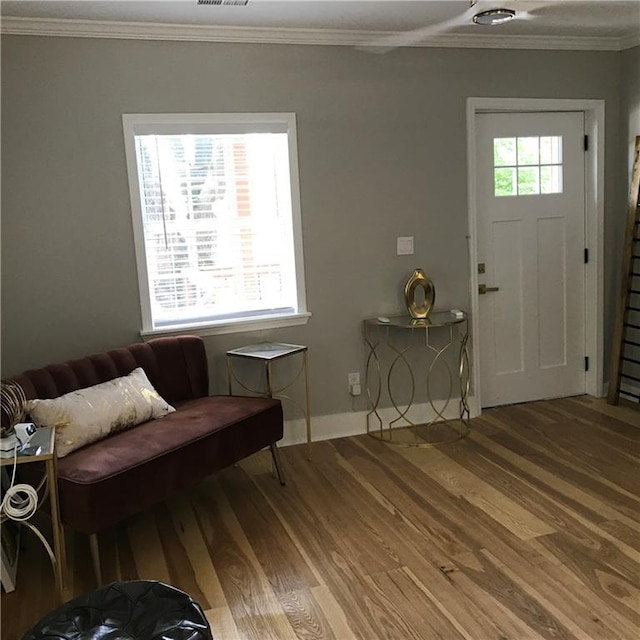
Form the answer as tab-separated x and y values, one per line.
555	333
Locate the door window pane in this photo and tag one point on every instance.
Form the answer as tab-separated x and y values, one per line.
505	181
528	181
528	151
551	150
551	179
504	152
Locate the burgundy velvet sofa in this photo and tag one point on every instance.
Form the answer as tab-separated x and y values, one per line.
111	479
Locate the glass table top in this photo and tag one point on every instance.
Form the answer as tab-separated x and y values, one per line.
43	438
435	319
267	350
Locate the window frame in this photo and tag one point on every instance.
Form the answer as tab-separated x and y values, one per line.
184	123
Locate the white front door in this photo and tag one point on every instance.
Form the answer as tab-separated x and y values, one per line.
530	241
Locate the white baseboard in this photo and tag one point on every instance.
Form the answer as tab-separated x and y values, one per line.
341	425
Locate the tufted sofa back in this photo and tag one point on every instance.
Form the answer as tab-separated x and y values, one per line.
176	366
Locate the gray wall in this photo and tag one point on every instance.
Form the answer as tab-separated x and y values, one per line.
382	152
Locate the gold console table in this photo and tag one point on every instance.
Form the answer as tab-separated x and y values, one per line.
422	365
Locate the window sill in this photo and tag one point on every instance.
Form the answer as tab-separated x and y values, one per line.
230	326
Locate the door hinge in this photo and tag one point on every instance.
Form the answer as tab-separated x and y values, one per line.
586	256
586	363
586	143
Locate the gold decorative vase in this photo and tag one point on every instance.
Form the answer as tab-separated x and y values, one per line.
418	279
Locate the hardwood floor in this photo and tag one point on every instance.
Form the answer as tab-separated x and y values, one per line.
527	529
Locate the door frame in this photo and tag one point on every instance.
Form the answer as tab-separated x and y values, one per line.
593	111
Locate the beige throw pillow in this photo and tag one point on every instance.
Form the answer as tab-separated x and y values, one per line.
90	414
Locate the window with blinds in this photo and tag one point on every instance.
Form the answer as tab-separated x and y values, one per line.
216	217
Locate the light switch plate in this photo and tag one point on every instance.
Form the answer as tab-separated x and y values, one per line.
405	246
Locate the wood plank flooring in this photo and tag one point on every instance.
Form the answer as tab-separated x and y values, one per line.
528	529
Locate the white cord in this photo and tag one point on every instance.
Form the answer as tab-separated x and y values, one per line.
20	507
16	506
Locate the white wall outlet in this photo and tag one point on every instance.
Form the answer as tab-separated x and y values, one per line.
354	378
355	389
405	246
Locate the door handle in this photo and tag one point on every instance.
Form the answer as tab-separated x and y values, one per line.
482	289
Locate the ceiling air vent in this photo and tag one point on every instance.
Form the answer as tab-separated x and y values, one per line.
225	3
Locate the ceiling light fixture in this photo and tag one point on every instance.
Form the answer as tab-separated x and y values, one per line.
225	3
492	17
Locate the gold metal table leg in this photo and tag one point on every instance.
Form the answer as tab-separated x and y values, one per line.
56	526
269	379
229	374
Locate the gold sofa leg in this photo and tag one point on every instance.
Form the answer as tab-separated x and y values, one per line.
275	454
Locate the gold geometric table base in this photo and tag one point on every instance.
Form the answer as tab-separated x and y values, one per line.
423	435
393	423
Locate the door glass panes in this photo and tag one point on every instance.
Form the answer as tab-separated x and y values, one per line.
530	165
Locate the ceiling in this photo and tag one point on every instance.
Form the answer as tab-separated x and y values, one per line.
564	24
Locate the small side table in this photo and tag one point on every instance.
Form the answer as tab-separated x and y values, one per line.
268	353
48	486
391	345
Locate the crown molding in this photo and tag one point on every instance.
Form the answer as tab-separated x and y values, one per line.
630	41
254	35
